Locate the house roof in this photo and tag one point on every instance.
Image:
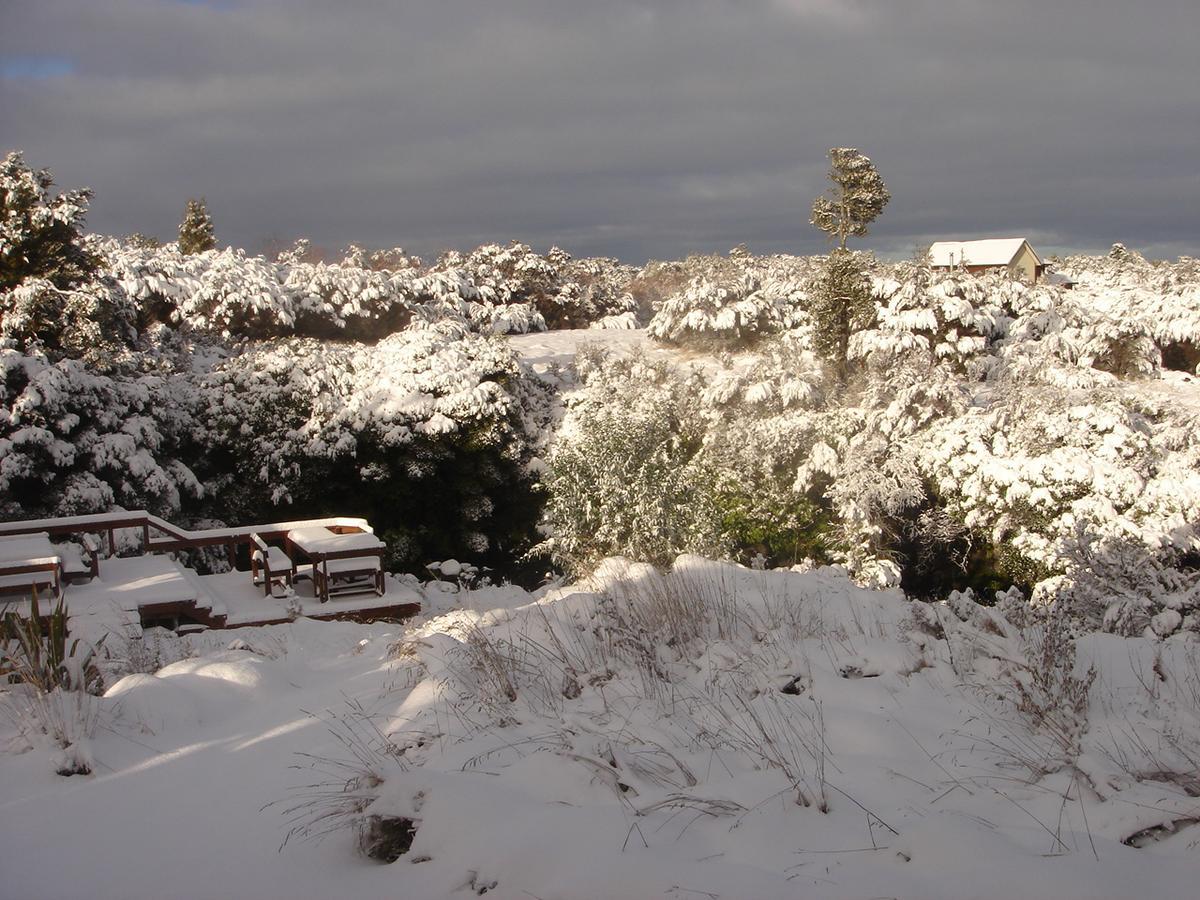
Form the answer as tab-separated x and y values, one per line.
991	252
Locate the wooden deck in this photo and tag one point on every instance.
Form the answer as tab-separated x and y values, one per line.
158	591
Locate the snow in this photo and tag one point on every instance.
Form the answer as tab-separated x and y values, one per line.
23	551
649	778
548	349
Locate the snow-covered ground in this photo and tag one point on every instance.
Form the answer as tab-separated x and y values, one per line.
718	732
111	602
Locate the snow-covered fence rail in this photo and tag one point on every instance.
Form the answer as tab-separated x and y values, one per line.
160	536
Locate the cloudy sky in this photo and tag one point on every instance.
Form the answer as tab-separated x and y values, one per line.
612	127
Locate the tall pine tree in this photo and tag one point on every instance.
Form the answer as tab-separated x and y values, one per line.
856	199
196	232
842	302
841	305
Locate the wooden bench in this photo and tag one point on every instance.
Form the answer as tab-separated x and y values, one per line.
273	563
349	572
30	563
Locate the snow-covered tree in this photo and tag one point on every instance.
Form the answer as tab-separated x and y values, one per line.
196	232
944	317
40	234
425	430
719	301
625	476
707	313
856	199
73	441
841	304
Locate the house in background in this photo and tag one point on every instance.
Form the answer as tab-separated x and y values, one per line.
1013	254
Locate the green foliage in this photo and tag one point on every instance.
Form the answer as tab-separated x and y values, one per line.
856	199
34	649
627	480
39	233
196	233
785	529
841	304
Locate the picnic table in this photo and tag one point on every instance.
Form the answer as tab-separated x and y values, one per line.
340	563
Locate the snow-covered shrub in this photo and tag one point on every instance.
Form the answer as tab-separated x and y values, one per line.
57	677
723	302
1163	298
718	314
557	291
764	423
236	294
1045	461
514	289
425	431
946	317
73	441
1119	345
783	279
231	294
349	298
94	321
1118	584
625	478
598	295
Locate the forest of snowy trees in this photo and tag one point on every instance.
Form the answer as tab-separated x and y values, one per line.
979	433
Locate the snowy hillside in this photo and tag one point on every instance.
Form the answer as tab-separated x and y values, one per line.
718	732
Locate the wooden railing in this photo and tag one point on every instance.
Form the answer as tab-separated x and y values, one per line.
160	536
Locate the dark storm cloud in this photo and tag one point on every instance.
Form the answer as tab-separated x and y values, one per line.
638	129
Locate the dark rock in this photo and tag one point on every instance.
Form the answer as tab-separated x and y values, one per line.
387	838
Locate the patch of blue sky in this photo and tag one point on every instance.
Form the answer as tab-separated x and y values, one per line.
35	68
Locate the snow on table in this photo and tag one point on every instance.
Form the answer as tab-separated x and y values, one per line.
320	541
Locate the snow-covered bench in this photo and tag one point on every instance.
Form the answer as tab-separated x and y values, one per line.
348	575
30	563
271	564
